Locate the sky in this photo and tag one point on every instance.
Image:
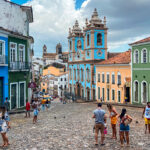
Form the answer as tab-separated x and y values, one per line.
127	20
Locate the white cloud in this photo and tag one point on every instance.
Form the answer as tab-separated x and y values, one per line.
126	20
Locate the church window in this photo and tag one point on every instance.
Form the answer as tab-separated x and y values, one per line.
88	40
70	44
99	39
82	75
79	45
88	75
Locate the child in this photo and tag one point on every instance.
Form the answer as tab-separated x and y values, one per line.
4	125
27	110
35	106
146	116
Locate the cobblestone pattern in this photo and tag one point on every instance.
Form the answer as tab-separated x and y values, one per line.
70	127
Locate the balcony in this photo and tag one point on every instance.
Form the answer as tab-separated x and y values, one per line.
3	60
19	66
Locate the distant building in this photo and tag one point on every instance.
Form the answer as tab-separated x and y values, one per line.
113	79
141	71
59	56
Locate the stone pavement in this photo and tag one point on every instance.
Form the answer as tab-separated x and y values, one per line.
70	127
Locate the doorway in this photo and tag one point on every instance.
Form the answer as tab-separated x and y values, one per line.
127	94
13	95
22	94
1	91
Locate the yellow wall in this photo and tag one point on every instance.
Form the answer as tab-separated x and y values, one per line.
44	86
125	71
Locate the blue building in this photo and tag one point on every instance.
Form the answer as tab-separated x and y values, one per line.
3	65
86	48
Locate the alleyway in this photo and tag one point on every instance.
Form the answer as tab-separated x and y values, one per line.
70	127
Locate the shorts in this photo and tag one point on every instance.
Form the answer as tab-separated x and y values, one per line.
35	112
124	128
147	121
99	127
113	120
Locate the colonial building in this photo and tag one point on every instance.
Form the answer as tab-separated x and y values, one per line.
113	79
59	56
15	21
141	71
3	65
54	80
86	48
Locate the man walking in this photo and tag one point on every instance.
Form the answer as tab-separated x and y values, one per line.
100	119
6	104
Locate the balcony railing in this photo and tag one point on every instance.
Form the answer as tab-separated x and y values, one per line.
3	59
19	66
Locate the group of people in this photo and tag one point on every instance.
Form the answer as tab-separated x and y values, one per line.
124	120
37	106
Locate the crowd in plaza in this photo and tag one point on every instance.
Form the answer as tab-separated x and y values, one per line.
123	119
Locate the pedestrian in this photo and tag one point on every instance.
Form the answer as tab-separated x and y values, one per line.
27	110
43	104
4	125
146	116
125	119
35	106
47	104
7	104
100	120
113	116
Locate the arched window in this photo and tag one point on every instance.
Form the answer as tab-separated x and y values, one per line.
88	74
144	92
144	56
82	75
119	78
70	44
136	91
136	56
99	39
88	39
79	44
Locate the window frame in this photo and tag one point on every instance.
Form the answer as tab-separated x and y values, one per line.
112	94
99	43
88	39
118	74
103	94
108	96
118	96
142	60
134	91
103	77
99	96
113	74
3	47
99	77
15	49
135	56
108	77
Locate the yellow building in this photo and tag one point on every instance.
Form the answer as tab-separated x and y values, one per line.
113	79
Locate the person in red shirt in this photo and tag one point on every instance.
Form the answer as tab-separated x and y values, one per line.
27	110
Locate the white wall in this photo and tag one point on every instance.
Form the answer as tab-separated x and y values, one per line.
13	18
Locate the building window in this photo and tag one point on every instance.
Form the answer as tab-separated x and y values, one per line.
136	89
98	77
88	39
61	79
99	39
13	52
79	44
108	94
70	44
144	92
119	78
113	94
103	78
113	78
74	74
65	86
103	94
21	53
136	56
107	77
65	79
2	47
88	75
78	74
70	74
98	92
82	75
144	56
119	96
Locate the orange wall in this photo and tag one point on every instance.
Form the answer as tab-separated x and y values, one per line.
44	87
125	71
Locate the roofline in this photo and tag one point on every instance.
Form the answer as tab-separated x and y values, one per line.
129	64
132	44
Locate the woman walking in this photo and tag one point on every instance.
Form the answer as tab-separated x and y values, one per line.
113	117
124	126
35	106
4	125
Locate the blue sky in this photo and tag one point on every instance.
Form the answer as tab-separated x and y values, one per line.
77	6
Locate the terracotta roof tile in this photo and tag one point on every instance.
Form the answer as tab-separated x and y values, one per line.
141	41
122	58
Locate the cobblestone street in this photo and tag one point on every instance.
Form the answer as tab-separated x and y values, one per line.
70	127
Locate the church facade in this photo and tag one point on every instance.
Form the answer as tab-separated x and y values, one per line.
86	48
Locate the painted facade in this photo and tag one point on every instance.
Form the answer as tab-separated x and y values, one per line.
15	21
141	71
3	66
86	48
113	79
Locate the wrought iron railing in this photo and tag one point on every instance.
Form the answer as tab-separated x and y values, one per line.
19	65
3	59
